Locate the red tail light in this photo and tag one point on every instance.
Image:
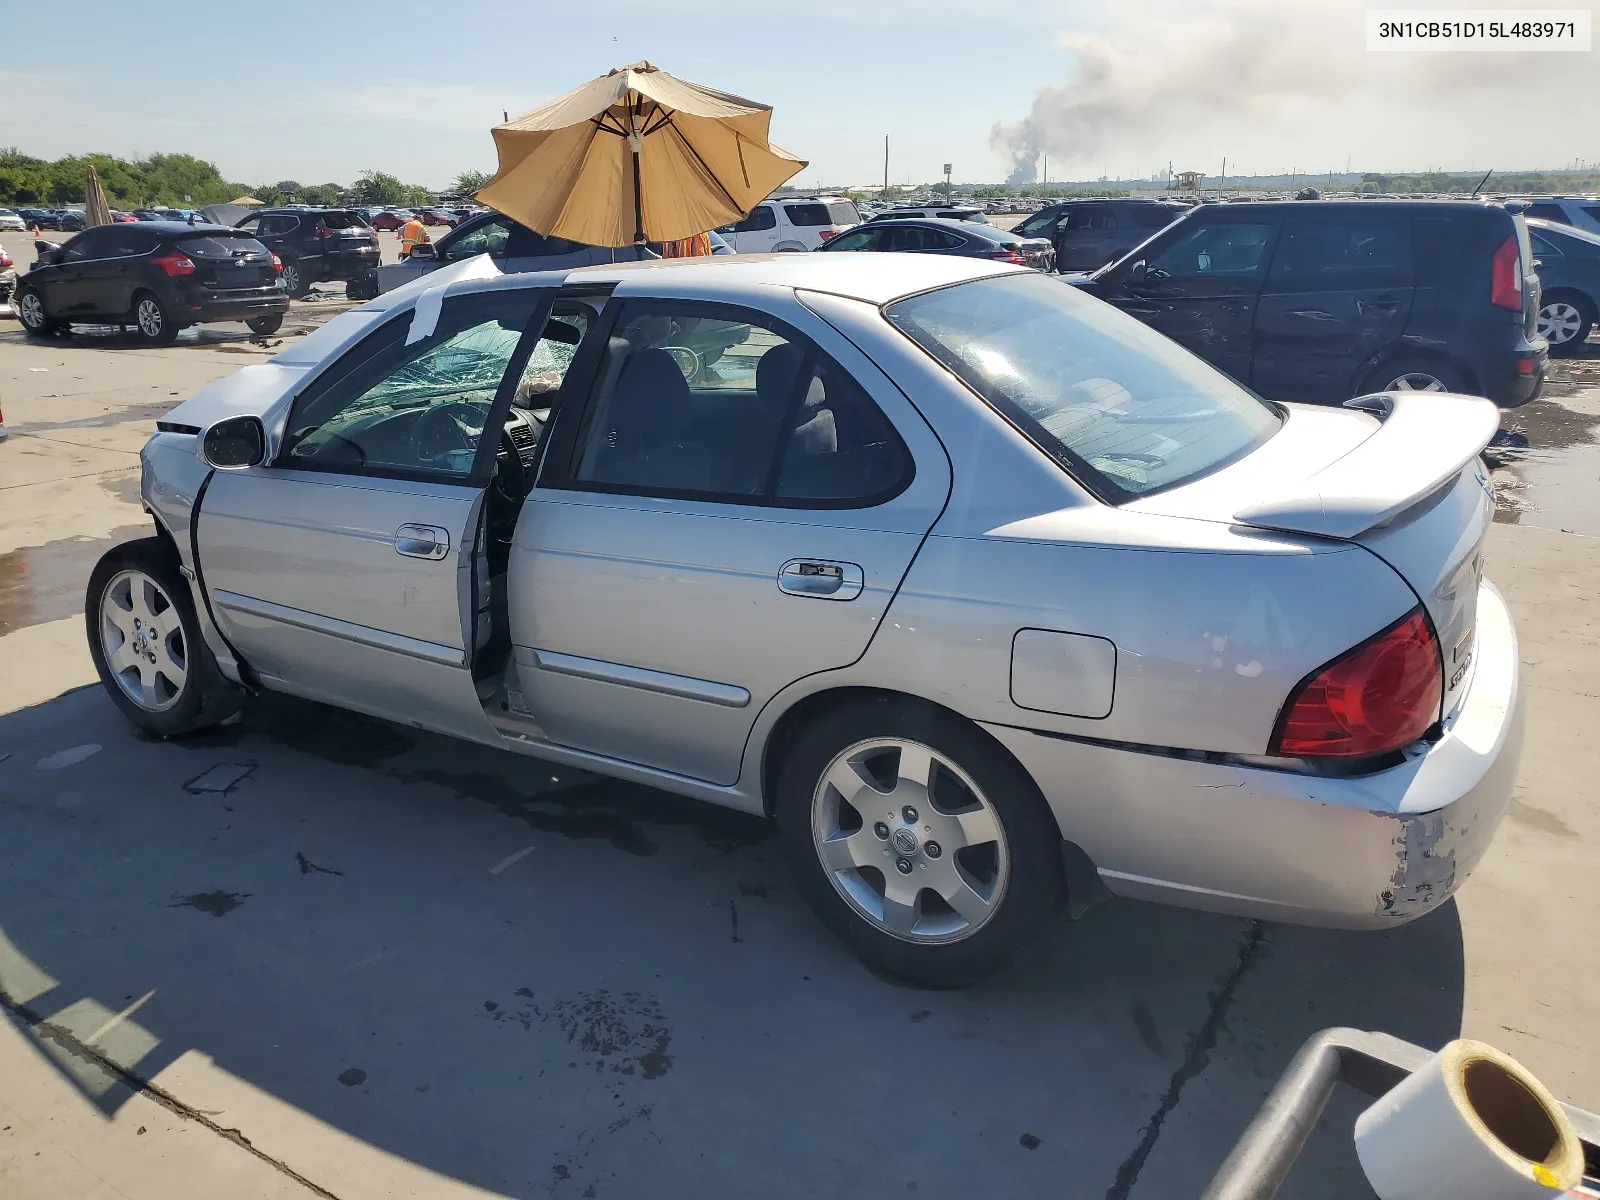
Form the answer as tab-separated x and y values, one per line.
1505	276
1378	697
5	260
327	233
174	264
1009	256
277	264
829	234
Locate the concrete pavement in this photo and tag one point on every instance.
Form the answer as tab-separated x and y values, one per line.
315	954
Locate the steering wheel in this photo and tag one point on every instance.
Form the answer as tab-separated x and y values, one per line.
445	430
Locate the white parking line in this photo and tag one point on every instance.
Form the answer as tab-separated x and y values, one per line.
511	860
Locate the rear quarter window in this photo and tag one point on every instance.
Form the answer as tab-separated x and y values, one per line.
842	212
343	220
808	215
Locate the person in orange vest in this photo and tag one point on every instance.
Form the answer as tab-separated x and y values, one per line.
412	235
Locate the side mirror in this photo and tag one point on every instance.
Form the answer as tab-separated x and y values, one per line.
234	444
426	251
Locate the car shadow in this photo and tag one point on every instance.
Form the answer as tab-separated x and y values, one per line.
543	983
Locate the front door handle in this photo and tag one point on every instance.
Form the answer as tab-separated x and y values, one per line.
820	579
422	541
1313	314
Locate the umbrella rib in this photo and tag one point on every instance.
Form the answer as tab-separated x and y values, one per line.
710	174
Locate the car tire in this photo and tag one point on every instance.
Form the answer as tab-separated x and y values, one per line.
362	287
29	307
168	683
294	279
1416	373
151	320
927	849
1567	316
267	325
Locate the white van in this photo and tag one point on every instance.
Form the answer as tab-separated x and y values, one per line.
791	223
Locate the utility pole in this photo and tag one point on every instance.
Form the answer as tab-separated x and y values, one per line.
1046	181
886	164
1223	178
947	167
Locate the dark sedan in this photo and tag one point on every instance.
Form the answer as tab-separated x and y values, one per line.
157	276
935	235
1569	277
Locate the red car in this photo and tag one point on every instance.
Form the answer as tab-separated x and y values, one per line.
123	218
389	219
433	216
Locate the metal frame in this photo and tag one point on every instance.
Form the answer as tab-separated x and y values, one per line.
1371	1063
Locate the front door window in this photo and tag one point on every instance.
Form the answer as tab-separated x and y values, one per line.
412	409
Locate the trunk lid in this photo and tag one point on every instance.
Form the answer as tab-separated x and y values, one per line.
229	263
1398	474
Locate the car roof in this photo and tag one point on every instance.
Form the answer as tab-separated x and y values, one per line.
173	228
875	278
993	232
297	209
1349	206
1562	229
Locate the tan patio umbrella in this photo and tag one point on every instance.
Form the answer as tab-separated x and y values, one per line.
246	202
634	156
95	209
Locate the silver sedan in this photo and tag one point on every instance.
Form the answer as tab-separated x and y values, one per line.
989	595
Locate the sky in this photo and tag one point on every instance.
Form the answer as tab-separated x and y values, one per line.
319	92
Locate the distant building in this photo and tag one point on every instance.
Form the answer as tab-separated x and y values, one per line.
1187	181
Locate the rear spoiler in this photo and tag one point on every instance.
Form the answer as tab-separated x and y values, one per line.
1422	442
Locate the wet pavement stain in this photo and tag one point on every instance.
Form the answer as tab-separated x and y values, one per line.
1144	1024
621	1033
218	903
307	867
352	1076
1546	457
47	583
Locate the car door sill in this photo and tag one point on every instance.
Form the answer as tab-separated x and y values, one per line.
349	631
687	687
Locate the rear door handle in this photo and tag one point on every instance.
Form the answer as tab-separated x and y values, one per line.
422	541
820	579
1312	314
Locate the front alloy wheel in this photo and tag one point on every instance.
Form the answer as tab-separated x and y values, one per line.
1415	381
141	636
909	841
30	311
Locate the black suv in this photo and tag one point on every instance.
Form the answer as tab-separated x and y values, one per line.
157	276
315	244
1090	233
1323	300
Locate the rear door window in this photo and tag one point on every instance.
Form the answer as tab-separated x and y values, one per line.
1355	252
342	220
856	239
1543	247
1152	216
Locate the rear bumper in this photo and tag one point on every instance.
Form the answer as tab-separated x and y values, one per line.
1523	381
1358	853
346	264
232	308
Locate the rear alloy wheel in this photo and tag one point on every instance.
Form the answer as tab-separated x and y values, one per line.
1564	322
1415	374
919	842
294	280
30	311
264	326
151	319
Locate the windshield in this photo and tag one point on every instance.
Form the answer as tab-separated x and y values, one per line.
1125	409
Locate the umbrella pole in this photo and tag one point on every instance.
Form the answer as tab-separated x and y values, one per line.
639	242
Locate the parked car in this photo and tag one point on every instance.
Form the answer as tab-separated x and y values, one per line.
1569	283
156	276
8	280
70	221
943	212
436	216
315	244
1328	299
511	246
934	236
789	224
44	218
1090	233
1579	212
389	219
11	222
1078	618
118	217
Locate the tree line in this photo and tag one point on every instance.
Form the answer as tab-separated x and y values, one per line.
181	180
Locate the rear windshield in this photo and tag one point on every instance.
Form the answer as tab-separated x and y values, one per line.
843	212
1124	408
975	215
343	220
808	214
220	245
